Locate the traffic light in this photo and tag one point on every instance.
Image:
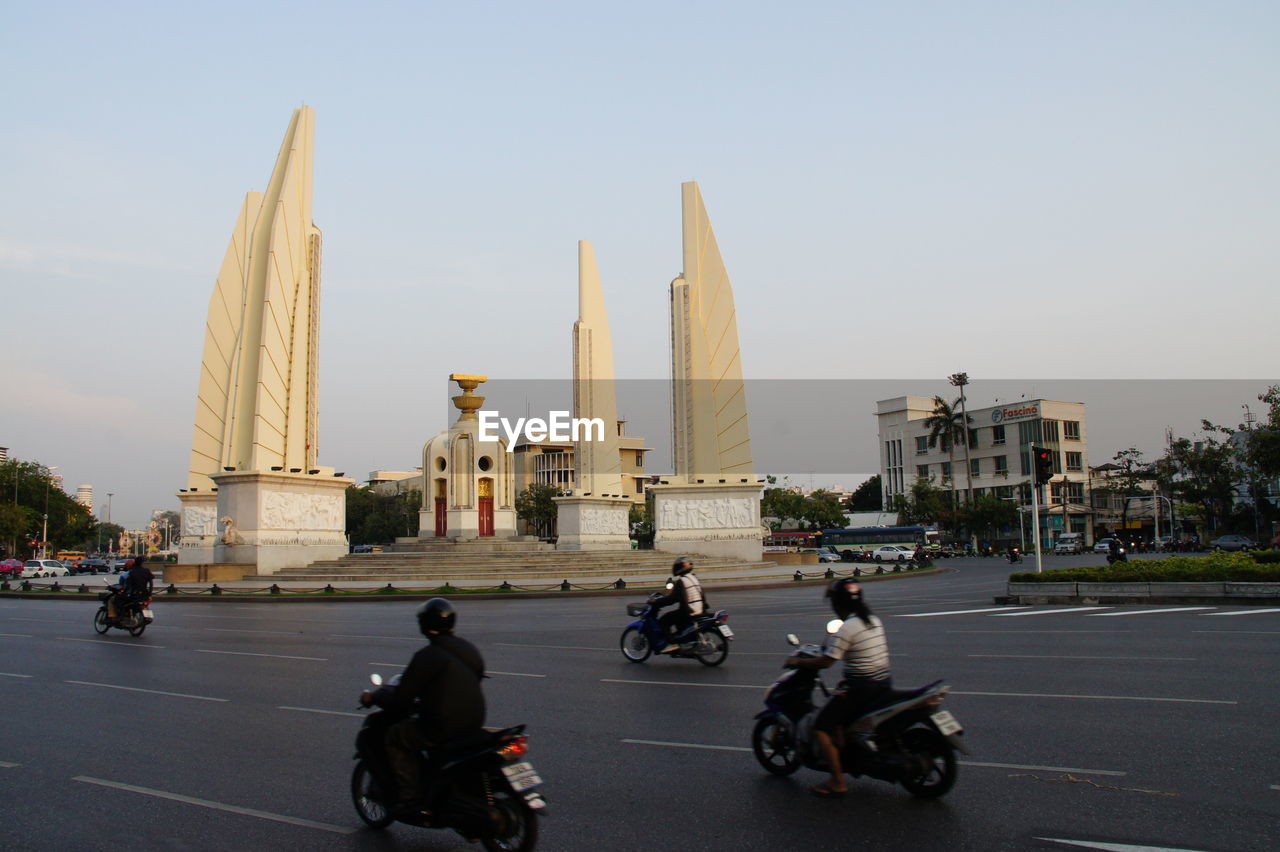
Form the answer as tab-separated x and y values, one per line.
1043	459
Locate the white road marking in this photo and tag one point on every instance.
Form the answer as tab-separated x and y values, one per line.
325	712
686	745
558	647
1064	657
109	642
1243	632
16	635
1115	847
389	665
246	630
1275	786
687	683
1033	632
395	638
1048	611
958	612
9	674
1071	769
1148	611
1097	697
217	806
44	620
1243	612
149	691
515	674
251	654
4	764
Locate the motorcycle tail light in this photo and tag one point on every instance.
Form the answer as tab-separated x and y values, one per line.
722	617
514	749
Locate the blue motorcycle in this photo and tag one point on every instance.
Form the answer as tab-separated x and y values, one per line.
706	640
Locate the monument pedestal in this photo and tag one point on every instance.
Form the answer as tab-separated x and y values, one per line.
199	527
280	520
721	521
593	523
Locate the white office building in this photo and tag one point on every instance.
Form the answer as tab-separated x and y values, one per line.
999	464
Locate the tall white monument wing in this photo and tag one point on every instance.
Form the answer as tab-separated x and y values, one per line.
712	438
597	463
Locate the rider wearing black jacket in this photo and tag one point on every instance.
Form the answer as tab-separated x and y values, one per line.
442	687
686	592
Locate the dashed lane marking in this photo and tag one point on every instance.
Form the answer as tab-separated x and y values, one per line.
252	654
4	764
109	642
217	806
956	612
1244	612
1067	657
685	683
246	630
148	691
1057	611
324	712
557	647
686	745
1097	697
16	635
1147	611
10	674
1071	769
515	674
1115	847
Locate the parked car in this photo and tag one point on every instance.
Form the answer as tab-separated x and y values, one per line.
1233	542
892	553
1103	545
44	568
11	568
92	565
823	555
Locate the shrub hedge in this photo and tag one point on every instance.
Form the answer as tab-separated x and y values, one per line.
1214	568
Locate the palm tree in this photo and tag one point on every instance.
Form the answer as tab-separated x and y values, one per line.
947	426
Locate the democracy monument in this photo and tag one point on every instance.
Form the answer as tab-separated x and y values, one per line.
257	497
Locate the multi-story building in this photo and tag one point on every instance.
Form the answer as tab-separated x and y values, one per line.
84	496
551	463
998	460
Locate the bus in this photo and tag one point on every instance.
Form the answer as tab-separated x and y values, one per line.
790	540
72	556
858	539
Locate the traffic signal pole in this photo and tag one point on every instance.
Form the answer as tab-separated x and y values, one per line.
1035	506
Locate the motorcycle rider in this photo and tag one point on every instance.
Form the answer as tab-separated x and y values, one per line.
866	682
1113	550
686	592
135	586
437	700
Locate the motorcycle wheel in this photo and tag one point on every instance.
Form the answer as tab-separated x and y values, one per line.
635	645
370	810
941	759
719	652
100	623
141	625
517	825
774	745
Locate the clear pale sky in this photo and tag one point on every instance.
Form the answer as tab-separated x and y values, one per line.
1032	191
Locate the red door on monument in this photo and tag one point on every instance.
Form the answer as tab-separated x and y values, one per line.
442	518
486	516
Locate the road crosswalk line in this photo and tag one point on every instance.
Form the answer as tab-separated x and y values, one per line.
1244	612
1147	611
1048	611
956	612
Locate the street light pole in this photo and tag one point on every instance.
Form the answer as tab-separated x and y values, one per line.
111	547
44	532
959	380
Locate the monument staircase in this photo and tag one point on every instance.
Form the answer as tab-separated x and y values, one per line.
430	568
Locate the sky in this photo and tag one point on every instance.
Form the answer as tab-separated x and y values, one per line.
1034	192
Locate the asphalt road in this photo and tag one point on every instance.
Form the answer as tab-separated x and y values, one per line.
230	725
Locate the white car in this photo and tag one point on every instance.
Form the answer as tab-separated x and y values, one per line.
892	553
44	568
823	555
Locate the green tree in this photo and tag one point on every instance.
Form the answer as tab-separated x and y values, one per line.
535	505
922	504
640	522
822	510
1126	481
947	427
866	497
1205	472
782	504
32	488
985	516
374	518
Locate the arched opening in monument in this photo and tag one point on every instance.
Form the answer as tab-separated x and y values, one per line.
486	507
442	507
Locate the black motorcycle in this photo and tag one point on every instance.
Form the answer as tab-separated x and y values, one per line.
122	613
909	740
1014	555
478	786
1116	555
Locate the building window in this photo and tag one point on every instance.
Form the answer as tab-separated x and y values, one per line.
1075	461
1004	492
946	470
639	461
997	436
1002	465
639	485
922	471
922	445
1050	431
1071	430
975	467
973	439
979	492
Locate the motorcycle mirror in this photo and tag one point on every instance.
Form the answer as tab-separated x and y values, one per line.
791	637
833	626
376	679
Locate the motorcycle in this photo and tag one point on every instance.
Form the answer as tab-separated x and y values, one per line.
478	786
910	740
706	640
1118	555
1014	555
122	614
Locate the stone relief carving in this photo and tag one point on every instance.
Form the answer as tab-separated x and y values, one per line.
714	514
290	510
603	522
229	533
199	521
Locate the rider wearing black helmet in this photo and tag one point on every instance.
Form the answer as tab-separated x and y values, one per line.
686	592
860	643
438	699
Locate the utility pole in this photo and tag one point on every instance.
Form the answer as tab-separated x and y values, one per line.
111	547
1035	507
959	380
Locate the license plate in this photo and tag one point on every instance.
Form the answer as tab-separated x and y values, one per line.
146	613
947	724
522	776
725	631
